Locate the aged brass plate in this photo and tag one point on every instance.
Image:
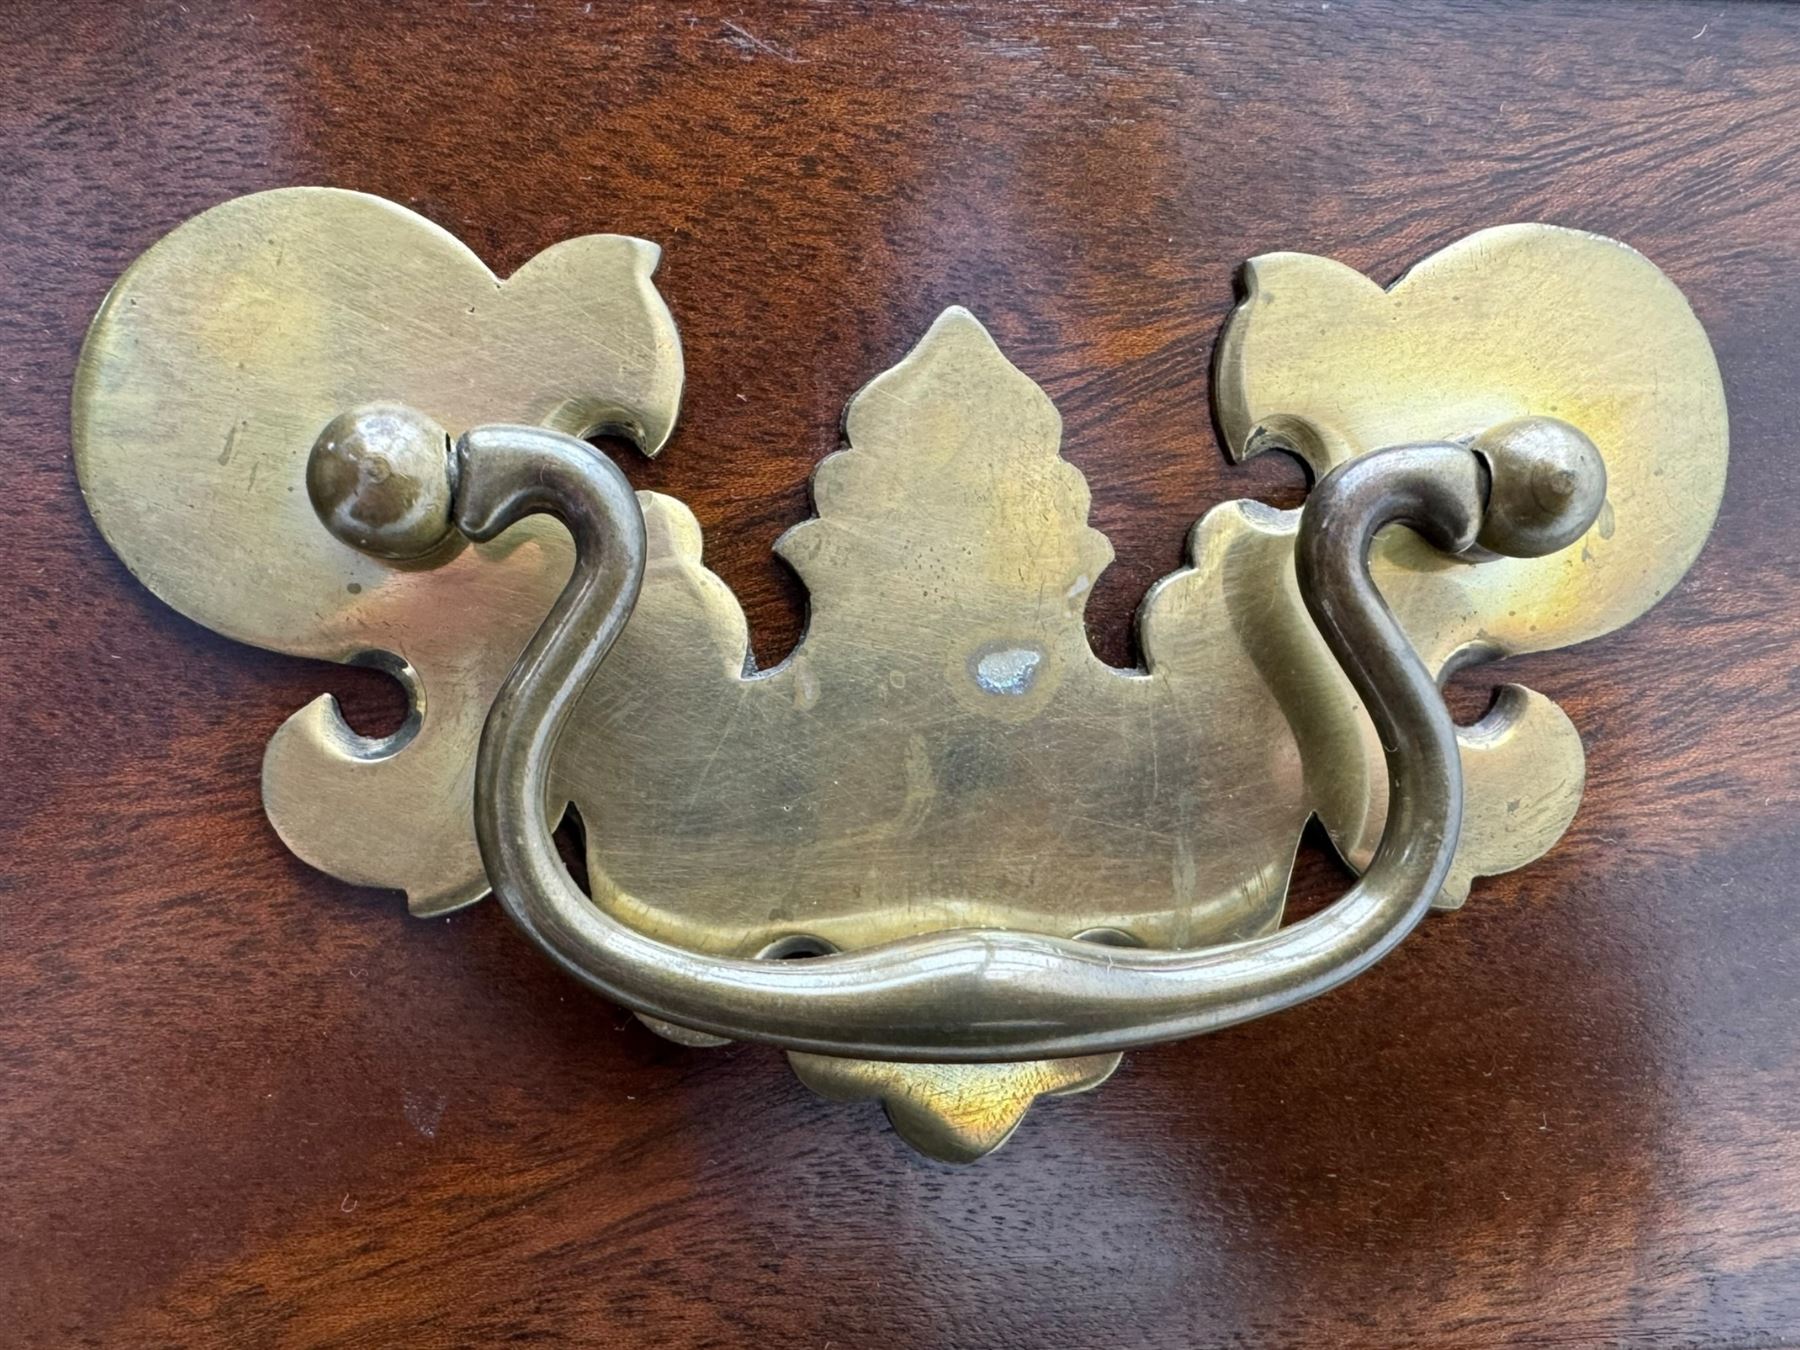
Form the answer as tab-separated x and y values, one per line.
943	750
210	368
1513	321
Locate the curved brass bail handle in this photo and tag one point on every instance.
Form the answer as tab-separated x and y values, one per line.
999	995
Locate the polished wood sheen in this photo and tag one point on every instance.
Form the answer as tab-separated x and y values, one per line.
241	1104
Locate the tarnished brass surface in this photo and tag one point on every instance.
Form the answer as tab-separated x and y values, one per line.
987	995
267	316
207	374
1521	320
873	785
943	751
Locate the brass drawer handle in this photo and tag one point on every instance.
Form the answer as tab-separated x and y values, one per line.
1008	858
993	995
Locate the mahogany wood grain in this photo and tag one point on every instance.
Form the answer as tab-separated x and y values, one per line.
243	1105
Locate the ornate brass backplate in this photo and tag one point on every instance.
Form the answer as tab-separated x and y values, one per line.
943	752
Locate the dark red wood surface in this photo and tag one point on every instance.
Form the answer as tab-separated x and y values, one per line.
241	1104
